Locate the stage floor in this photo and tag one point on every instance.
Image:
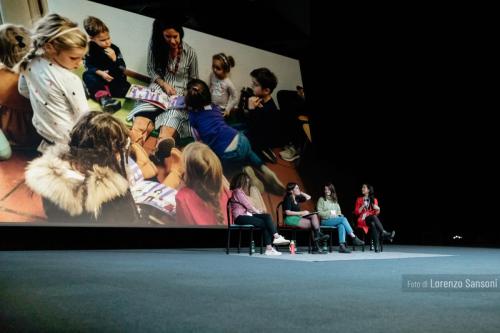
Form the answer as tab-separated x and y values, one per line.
205	290
334	256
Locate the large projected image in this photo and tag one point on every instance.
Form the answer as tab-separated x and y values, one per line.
160	125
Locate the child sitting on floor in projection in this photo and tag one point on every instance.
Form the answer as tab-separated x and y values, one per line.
232	147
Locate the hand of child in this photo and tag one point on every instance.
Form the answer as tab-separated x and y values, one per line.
304	212
105	75
110	53
254	102
376	207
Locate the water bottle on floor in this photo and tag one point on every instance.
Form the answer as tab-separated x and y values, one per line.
292	247
253	246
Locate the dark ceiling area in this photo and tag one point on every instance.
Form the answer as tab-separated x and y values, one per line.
279	26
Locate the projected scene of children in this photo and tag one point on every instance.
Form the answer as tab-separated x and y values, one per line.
87	139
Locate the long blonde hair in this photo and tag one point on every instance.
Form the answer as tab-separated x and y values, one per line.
61	32
203	174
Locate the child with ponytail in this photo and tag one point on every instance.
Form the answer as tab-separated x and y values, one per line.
56	94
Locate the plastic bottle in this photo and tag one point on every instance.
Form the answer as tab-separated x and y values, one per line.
292	247
253	247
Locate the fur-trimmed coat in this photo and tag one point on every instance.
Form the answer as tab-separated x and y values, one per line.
70	196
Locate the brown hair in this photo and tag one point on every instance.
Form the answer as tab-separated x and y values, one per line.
96	139
227	61
241	181
203	174
94	26
333	193
15	42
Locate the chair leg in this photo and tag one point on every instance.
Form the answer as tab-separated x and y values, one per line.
261	241
364	240
330	246
239	242
228	240
251	240
294	235
309	247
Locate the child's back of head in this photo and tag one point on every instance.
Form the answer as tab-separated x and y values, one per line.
197	94
97	138
15	42
203	174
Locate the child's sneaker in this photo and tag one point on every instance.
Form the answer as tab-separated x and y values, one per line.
109	104
290	154
281	241
272	252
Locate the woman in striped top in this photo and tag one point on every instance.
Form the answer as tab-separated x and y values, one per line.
171	64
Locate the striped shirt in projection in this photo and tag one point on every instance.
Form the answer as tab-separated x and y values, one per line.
177	74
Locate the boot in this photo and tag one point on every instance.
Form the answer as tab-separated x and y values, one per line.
319	236
147	167
141	129
343	248
166	132
174	169
389	235
376	244
317	248
358	242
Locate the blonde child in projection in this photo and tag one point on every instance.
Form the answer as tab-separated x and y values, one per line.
56	94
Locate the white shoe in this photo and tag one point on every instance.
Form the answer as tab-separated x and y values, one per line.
281	241
291	158
288	151
290	154
272	252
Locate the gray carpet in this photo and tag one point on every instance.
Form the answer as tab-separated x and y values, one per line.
208	291
334	256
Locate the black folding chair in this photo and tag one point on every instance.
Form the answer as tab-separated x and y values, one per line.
329	230
281	226
231	226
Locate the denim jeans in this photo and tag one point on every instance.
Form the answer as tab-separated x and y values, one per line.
342	225
243	154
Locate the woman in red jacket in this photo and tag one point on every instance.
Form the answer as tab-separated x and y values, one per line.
367	211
